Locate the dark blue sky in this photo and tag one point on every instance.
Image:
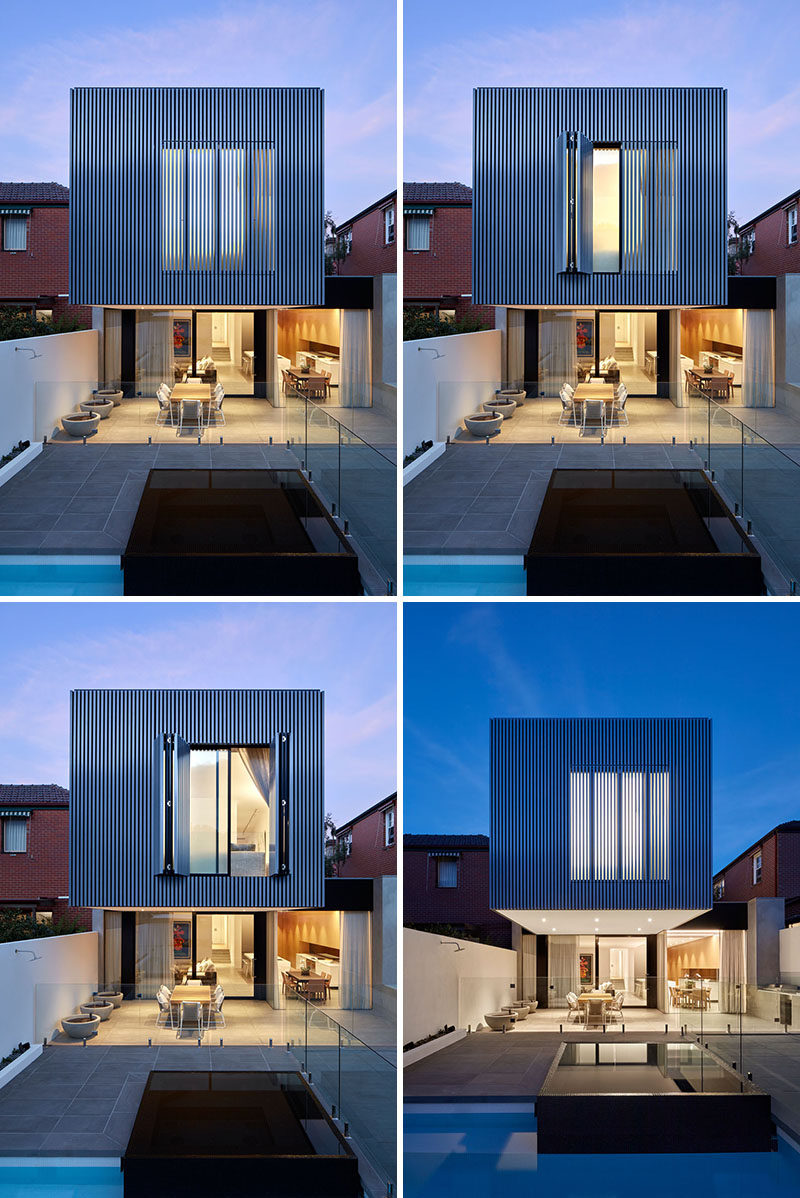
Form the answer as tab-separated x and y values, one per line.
738	663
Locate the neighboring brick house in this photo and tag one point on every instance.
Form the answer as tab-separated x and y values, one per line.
446	882
437	253
770	868
366	846
34	251
368	241
772	238
34	851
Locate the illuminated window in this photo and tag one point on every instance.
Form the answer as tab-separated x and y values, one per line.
388	828
613	815
388	225
756	868
791	225
605	209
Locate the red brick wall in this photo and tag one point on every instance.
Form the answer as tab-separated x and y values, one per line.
41	873
739	876
443	273
40	273
465	904
368	857
772	255
369	254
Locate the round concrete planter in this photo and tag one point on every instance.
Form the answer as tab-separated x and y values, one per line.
112	996
532	1004
498	1021
519	397
501	407
106	393
99	1008
522	1009
483	424
103	407
80	424
80	1027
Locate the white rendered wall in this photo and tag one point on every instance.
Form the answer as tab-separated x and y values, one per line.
37	392
36	994
789	939
472	363
443	988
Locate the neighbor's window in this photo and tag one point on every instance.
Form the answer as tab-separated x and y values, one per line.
346	242
791	225
388	828
605	209
230	824
418	232
15	835
756	868
388	225
44	314
346	843
15	232
719	890
446	872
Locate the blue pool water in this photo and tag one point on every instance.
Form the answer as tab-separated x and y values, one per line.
463	575
60	1181
59	574
491	1151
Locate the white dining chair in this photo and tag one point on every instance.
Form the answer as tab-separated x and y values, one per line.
191	411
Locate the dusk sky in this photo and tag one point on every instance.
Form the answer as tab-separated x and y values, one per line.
734	662
347	47
346	649
749	49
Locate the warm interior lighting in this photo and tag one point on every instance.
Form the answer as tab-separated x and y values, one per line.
605	210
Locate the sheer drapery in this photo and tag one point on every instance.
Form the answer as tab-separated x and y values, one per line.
355	358
758	354
732	972
153	351
563	969
515	347
661	971
112	347
153	952
258	763
274	390
557	351
112	950
418	230
355	960
675	371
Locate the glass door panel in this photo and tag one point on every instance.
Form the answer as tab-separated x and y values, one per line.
225	946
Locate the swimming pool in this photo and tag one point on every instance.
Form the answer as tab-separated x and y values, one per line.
463	574
489	1149
59	574
38	1180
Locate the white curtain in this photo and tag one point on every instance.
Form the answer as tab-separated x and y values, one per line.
355	354
15	835
558	358
274	389
758	354
153	952
258	763
662	989
112	347
675	370
732	972
563	969
153	351
355	960
515	347
418	232
112	950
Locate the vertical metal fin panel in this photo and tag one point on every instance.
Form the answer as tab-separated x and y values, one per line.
583	208
673	195
197	197
609	814
116	739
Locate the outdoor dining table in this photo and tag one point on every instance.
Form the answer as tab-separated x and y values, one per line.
604	391
191	391
190	994
694	996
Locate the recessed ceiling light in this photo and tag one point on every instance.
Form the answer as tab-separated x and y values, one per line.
552	929
649	920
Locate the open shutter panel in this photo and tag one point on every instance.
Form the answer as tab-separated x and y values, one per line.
562	229
171	802
181	818
583	204
280	799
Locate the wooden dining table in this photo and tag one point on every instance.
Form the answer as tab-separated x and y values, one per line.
604	391
191	391
715	382
190	994
307	981
308	376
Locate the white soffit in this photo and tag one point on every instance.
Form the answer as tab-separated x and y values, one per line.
601	923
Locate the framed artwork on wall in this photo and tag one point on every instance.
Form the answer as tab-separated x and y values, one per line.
586	968
182	338
181	940
584	338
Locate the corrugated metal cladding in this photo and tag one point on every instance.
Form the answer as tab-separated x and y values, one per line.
112	770
673	195
197	196
611	814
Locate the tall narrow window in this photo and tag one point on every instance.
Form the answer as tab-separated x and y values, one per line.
388	828
791	225
388	224
233	187
172	207
659	826
580	825
757	860
202	205
605	209
605	826
632	816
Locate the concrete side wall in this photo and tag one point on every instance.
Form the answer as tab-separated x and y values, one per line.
467	371
384	944
40	990
789	950
787	343
765	921
38	391
443	987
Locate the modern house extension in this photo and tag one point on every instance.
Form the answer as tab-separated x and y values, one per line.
196	835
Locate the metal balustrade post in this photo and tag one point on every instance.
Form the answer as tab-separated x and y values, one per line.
339	1088
305	1005
741	489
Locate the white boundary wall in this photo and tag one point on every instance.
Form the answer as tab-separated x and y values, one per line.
472	359
36	994
444	988
37	392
